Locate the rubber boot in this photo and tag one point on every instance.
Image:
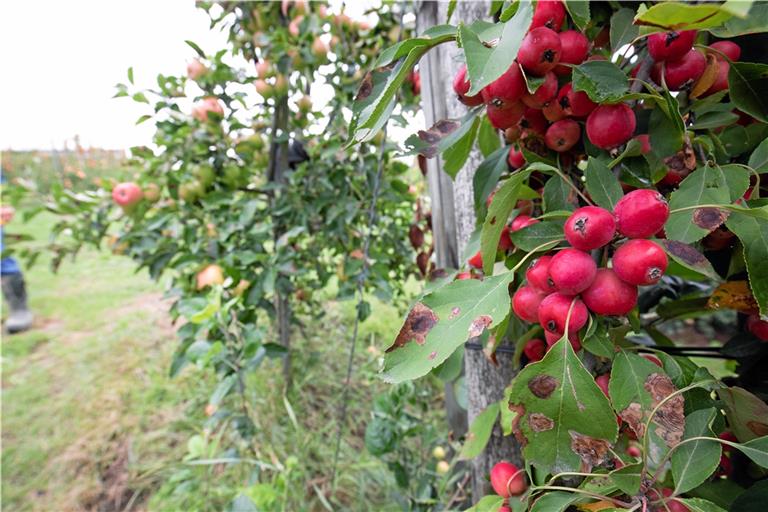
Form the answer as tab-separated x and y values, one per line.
15	293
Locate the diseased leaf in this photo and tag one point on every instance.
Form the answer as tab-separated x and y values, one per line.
603	81
479	432
747	83
443	320
564	421
602	185
753	233
689	257
704	186
734	295
747	414
623	30
694	461
636	387
484	65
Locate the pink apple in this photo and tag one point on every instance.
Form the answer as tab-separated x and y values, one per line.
127	194
205	106
196	69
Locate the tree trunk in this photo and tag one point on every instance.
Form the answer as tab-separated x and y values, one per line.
278	166
454	221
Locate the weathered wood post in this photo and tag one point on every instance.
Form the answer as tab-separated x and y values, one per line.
453	221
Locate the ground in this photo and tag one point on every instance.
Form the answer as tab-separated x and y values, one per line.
91	420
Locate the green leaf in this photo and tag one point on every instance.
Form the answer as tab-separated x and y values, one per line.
442	321
130	75
223	389
737	179
458	146
603	81
636	387
758	160
598	341
666	128
694	461
747	83
753	233
747	414
197	49
488	138
756	450
579	11
451	8
751	500
566	419
532	237
689	257
705	185
680	16
490	503
623	30
479	432
554	501
602	185
484	65
756	21
558	195
627	478
700	505
712	120
487	175
503	203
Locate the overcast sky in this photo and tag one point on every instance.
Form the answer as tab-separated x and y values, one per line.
61	59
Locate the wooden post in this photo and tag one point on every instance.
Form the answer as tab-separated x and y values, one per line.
453	221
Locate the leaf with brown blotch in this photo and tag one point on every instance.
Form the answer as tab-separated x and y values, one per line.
746	413
636	387
710	218
442	321
564	421
734	295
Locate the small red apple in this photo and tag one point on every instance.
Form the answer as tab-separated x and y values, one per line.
127	194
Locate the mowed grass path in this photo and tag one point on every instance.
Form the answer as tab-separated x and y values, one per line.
91	421
85	394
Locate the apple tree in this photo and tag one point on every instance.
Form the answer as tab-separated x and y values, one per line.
620	249
247	201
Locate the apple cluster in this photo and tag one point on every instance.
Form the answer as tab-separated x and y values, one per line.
570	280
554	111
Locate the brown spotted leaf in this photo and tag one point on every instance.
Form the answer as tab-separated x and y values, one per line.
734	295
564	421
637	386
706	185
689	257
747	414
442	321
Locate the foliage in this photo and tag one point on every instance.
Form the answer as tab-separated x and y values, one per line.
701	148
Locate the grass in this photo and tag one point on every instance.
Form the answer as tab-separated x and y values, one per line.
91	421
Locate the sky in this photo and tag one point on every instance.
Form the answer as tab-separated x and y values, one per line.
61	59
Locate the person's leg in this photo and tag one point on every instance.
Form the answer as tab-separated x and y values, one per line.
15	293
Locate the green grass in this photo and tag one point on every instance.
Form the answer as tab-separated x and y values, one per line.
92	421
